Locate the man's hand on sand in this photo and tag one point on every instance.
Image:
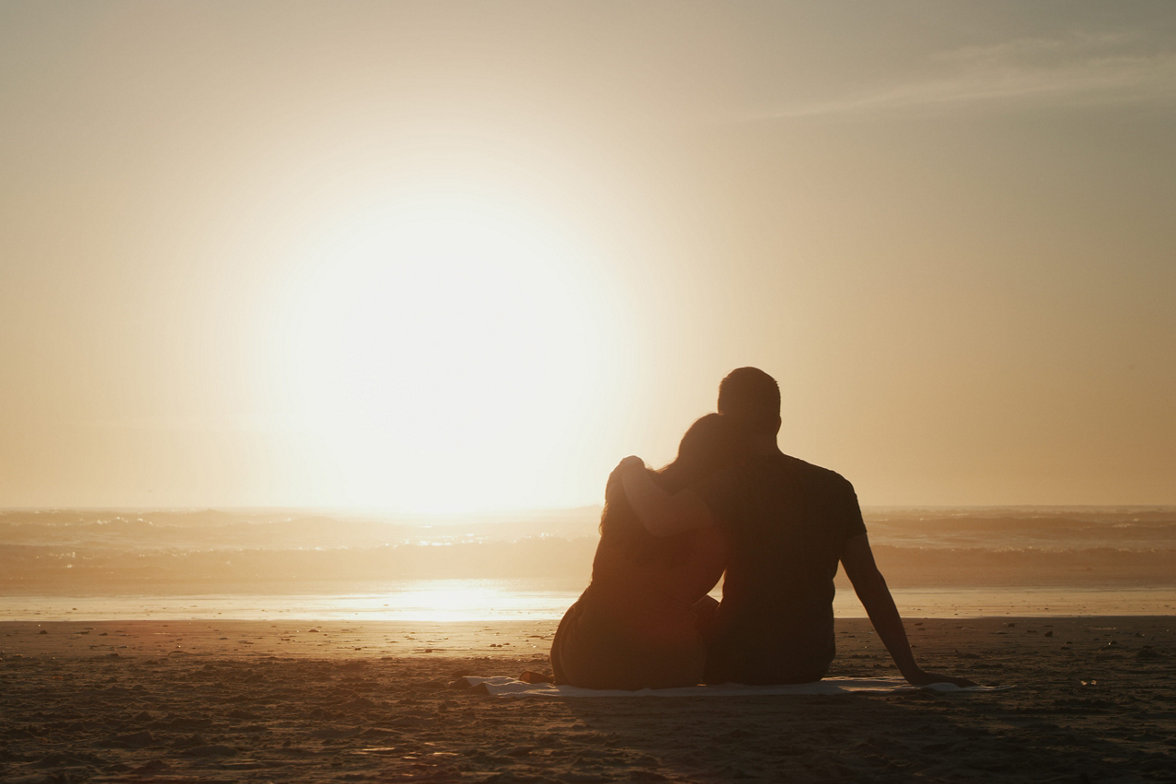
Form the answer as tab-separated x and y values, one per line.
924	678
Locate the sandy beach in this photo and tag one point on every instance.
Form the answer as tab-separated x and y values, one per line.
170	701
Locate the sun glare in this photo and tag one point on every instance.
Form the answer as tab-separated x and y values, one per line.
436	348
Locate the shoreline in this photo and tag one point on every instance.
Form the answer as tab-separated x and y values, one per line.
347	639
472	601
303	638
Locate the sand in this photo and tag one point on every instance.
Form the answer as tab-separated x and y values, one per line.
171	701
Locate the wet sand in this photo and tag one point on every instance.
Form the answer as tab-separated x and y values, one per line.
171	701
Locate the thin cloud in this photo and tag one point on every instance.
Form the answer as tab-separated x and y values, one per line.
1079	70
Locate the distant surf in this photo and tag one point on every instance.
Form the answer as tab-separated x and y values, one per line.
941	562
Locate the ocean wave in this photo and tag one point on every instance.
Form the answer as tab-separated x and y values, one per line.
40	569
61	550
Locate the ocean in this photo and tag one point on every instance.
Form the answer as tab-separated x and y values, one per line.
328	565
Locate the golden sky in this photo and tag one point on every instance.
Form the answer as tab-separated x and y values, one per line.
466	256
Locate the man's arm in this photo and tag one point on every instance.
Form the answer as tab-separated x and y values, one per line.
662	514
871	588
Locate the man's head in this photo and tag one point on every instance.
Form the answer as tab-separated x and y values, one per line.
752	399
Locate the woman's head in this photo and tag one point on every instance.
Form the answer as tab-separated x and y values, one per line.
711	443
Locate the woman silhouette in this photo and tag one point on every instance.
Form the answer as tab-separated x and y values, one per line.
641	621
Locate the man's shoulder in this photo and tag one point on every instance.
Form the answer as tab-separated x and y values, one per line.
812	475
828	494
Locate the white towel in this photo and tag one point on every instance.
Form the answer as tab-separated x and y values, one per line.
505	686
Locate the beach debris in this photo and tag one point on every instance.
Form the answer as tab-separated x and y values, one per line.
134	740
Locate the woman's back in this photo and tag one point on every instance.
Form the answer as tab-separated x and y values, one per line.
636	625
689	566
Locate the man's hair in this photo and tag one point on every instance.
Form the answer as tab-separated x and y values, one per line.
751	398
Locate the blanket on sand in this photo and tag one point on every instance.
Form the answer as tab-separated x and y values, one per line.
505	686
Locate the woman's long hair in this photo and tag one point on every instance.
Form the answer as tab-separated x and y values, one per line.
711	443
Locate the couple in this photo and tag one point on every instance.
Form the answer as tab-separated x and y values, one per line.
731	501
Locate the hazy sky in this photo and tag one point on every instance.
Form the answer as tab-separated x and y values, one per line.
458	256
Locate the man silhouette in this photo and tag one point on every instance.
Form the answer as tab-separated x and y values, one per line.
788	524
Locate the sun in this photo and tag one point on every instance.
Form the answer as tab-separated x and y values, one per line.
436	350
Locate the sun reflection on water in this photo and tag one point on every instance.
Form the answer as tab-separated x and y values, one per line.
447	600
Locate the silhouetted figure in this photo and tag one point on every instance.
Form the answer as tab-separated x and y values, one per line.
788	524
638	623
